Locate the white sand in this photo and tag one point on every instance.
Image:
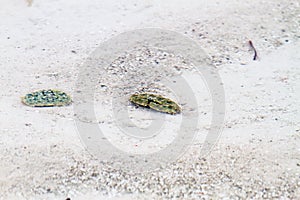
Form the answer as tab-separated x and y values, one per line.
258	153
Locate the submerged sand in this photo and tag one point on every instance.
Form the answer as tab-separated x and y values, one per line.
257	155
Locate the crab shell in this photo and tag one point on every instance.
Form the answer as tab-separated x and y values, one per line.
155	102
46	98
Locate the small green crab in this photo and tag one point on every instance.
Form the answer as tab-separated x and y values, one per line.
46	98
155	102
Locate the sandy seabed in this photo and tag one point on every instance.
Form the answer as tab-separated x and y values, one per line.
257	156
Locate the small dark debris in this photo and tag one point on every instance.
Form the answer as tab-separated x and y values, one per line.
253	48
94	174
8	38
68	198
73	51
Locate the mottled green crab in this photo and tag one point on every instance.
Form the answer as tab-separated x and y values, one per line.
155	102
46	98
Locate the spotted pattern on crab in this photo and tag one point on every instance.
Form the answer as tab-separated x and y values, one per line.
155	102
46	98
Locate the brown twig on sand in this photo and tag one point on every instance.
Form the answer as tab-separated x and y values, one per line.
255	52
